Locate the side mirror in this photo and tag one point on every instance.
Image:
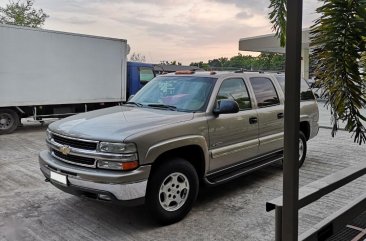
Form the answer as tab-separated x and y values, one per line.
226	107
129	98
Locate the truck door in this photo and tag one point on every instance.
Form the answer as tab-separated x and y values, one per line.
270	115
138	74
233	137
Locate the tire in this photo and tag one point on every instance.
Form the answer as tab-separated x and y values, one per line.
172	189
9	121
302	148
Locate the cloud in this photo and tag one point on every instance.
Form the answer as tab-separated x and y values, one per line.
253	6
244	15
183	30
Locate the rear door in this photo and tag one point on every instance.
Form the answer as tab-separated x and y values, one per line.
270	114
233	137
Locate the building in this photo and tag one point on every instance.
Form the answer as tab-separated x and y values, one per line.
270	43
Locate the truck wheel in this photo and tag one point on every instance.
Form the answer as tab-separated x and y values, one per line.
9	121
302	148
172	190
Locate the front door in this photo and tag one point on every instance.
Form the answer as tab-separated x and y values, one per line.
233	137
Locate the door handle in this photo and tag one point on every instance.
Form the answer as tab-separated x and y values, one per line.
253	120
280	115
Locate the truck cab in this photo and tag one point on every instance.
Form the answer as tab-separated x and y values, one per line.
138	74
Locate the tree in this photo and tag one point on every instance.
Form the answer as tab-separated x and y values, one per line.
137	57
200	65
22	14
339	42
174	62
278	19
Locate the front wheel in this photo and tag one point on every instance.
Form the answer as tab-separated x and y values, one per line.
172	190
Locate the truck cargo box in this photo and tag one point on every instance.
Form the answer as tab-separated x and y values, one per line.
42	67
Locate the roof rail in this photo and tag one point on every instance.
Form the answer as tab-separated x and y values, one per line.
259	71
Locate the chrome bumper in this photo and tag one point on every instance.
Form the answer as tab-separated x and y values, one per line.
124	186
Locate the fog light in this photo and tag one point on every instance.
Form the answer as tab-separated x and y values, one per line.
104	197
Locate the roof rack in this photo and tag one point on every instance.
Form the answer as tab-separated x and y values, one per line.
258	71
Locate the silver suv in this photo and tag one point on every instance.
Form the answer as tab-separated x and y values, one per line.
179	130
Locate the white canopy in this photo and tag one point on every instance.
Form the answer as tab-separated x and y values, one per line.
270	43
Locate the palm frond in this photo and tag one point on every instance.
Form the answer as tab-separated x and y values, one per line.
339	41
278	16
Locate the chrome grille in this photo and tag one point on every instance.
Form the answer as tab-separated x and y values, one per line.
78	160
81	144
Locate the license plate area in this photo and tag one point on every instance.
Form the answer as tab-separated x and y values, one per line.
59	178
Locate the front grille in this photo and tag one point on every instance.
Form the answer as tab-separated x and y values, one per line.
75	143
75	159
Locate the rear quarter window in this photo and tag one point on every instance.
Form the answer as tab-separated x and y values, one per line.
264	91
305	91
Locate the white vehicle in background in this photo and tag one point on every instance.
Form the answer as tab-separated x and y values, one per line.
48	74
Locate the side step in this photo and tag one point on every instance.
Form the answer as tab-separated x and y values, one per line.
241	169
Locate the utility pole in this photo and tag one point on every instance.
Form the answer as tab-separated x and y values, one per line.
292	119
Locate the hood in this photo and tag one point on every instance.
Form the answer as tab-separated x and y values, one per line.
116	123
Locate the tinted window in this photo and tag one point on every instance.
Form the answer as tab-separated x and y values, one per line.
235	89
305	90
264	91
146	74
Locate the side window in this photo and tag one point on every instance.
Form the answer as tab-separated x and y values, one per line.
281	81
305	90
146	74
235	89
264	91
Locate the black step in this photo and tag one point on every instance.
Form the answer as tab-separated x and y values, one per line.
243	168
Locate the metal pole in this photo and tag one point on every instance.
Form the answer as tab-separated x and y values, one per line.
278	224
292	119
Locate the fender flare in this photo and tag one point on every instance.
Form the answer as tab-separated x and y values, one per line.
193	140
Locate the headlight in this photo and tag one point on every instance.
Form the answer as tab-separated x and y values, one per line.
127	161
120	148
48	135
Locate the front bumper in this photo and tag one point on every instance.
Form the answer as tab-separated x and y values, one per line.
95	183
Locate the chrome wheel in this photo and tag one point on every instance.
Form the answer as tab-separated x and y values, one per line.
6	121
301	149
173	192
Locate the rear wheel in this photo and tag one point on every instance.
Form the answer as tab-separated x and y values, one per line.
9	121
172	190
302	149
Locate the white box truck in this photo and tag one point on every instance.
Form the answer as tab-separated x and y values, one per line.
47	73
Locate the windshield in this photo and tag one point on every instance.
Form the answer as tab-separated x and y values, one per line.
180	93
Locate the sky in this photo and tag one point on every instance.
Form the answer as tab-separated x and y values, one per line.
166	30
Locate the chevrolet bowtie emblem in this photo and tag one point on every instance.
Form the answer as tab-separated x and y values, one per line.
65	150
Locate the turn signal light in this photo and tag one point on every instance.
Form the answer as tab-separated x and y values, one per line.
116	165
129	165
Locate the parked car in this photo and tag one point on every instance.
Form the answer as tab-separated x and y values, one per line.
179	130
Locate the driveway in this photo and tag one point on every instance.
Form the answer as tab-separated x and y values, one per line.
31	209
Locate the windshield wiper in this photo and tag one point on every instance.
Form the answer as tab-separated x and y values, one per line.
135	103
169	107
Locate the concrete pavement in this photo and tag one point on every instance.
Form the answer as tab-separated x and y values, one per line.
31	209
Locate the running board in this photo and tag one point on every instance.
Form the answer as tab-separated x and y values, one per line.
230	173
